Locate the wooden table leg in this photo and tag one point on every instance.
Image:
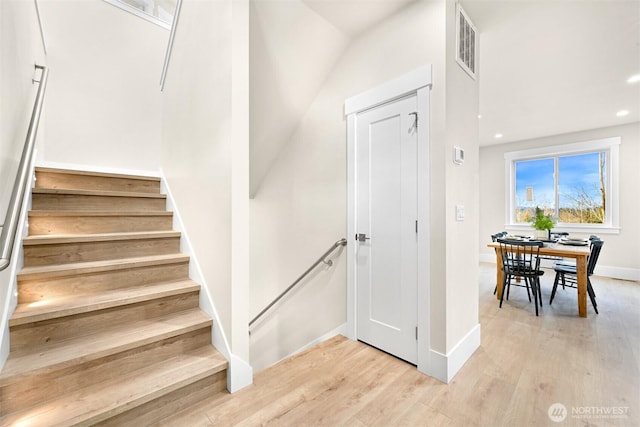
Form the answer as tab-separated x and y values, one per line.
499	274
581	270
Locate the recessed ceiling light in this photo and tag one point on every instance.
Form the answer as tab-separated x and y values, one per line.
634	79
497	136
622	113
479	116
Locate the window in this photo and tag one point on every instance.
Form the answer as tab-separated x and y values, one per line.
575	183
160	12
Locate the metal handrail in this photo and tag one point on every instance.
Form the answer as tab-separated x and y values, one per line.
10	226
172	35
341	242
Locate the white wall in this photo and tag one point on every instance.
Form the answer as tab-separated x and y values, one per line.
620	254
103	103
20	48
461	188
288	67
300	209
205	160
196	140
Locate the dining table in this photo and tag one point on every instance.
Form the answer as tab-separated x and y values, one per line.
555	249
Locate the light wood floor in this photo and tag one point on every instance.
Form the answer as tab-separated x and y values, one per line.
524	365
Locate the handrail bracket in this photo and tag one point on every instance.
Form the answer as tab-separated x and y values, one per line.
322	259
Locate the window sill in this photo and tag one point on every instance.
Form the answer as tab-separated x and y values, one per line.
578	228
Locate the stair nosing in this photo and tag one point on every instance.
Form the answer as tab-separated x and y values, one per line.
36	365
57	239
72	269
24	314
50	212
96	193
97	174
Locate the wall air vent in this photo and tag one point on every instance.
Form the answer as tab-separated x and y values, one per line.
465	42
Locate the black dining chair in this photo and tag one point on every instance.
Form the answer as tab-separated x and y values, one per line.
495	237
521	259
572	261
567	273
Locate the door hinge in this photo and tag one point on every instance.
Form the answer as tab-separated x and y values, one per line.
416	226
416	333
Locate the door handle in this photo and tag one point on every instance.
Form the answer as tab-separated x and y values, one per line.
361	237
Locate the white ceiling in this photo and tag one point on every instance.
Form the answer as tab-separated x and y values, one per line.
546	67
355	16
553	67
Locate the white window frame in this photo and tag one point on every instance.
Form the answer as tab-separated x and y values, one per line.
609	145
141	13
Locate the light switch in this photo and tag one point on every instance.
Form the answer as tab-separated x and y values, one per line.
458	155
459	212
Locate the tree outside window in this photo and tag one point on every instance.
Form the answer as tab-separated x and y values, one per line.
582	188
572	183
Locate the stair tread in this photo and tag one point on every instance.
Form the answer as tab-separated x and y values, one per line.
104	193
101	344
100	174
77	304
67	338
58	270
96	237
103	400
34	213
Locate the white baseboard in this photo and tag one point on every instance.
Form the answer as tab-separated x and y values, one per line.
240	373
487	258
219	338
340	330
618	272
11	298
5	344
445	367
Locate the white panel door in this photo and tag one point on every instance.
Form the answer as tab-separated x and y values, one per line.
386	215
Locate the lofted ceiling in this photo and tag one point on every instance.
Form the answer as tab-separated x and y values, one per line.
546	67
353	17
294	45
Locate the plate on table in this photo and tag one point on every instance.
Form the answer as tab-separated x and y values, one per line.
574	242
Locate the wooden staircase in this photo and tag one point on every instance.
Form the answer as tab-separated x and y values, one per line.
107	329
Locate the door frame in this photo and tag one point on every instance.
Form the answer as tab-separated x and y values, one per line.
417	82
